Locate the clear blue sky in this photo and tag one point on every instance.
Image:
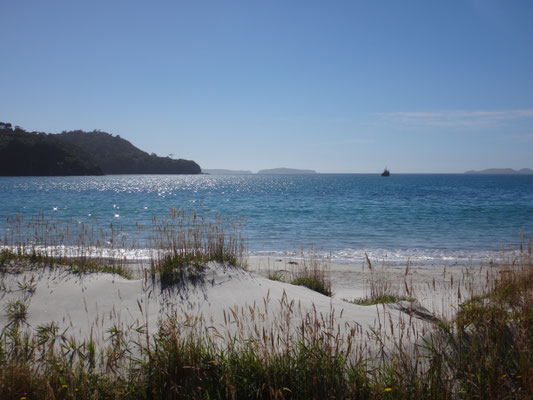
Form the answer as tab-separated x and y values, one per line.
335	86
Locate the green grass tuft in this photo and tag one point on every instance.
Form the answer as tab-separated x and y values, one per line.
381	299
276	276
73	264
313	283
186	242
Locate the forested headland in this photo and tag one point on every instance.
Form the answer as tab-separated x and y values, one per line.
25	153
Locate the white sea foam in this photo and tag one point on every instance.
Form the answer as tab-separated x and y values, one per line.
401	256
389	256
89	252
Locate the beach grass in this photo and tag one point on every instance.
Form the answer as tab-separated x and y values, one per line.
381	299
485	351
276	276
181	244
311	271
184	242
313	283
81	265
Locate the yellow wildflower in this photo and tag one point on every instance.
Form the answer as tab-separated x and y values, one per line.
64	386
388	389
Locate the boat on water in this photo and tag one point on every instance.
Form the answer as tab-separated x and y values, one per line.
386	172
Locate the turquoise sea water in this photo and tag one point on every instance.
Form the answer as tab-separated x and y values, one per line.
423	217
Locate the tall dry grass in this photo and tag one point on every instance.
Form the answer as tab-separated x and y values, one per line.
180	245
310	269
83	247
484	351
183	243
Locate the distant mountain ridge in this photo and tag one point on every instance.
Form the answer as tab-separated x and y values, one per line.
286	171
226	172
502	171
280	171
79	153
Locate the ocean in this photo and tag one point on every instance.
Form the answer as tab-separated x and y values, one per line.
424	218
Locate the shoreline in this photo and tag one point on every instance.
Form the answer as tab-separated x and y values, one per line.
89	297
393	257
231	312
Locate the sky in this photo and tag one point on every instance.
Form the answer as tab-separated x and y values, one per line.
334	86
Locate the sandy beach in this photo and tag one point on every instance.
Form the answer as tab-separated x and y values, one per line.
230	302
219	320
438	288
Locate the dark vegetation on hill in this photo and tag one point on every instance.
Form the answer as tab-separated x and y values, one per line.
79	153
39	154
118	156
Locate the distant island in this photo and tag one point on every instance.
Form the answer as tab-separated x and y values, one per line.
225	172
286	171
502	171
79	153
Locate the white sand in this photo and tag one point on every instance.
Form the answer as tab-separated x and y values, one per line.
232	301
438	288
